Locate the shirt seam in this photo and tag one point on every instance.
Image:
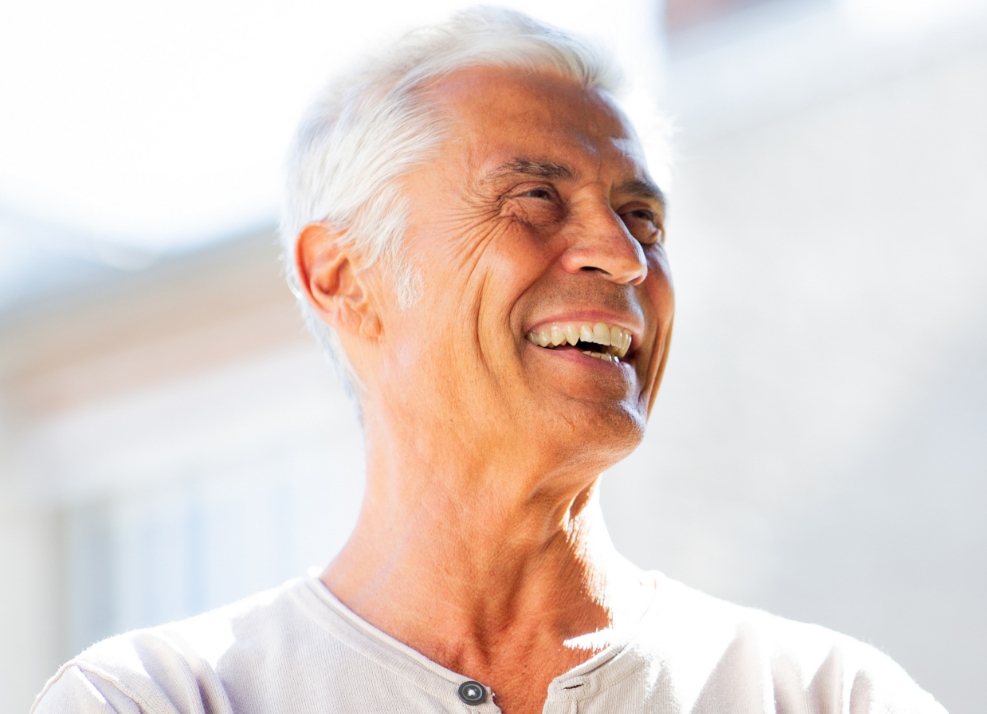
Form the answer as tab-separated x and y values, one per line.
88	669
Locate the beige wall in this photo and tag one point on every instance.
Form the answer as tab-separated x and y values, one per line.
818	447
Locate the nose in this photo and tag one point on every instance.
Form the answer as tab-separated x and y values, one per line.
601	242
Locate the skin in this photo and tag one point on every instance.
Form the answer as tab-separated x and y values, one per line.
480	543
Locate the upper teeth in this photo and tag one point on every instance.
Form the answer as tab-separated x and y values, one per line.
616	338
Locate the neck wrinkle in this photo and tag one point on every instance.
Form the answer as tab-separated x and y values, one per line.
478	566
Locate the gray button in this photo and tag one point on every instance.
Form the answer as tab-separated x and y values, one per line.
472	692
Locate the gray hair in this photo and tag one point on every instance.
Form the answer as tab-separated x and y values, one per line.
372	125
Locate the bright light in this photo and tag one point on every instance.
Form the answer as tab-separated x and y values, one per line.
904	16
163	124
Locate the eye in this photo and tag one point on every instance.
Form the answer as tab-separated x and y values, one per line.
537	205
644	224
540	192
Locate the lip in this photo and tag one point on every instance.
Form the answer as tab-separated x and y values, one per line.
632	325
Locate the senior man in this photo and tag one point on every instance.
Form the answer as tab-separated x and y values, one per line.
476	239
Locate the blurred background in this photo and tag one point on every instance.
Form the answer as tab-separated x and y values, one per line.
172	440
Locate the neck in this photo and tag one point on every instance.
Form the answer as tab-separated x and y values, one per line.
479	575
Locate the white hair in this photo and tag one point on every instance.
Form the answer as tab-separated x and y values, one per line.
372	125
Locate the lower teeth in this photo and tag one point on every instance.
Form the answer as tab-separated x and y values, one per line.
606	357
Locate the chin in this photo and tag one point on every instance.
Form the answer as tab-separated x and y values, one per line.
604	435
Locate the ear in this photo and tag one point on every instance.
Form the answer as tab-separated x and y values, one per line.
330	277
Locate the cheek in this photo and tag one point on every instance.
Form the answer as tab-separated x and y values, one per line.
521	253
472	275
498	263
475	272
515	267
453	245
661	294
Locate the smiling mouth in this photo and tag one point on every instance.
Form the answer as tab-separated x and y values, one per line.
609	343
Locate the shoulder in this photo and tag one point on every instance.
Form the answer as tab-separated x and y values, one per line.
712	647
186	666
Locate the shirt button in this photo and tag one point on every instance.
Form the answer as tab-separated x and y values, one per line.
472	692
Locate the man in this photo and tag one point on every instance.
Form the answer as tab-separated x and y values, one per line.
476	239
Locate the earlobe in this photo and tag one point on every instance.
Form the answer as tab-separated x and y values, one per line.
331	280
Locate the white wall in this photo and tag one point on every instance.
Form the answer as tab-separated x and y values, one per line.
30	587
819	445
198	491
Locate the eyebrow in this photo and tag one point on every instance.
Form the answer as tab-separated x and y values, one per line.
552	171
538	169
643	189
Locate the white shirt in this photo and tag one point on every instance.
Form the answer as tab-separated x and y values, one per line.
297	649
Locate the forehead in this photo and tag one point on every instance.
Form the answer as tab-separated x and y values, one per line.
498	114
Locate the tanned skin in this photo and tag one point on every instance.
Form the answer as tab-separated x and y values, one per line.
480	542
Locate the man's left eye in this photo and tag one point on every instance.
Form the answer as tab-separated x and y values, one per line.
642	224
642	213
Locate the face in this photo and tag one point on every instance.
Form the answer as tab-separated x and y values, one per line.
546	301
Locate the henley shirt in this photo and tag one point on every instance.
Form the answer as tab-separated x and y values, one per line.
297	649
